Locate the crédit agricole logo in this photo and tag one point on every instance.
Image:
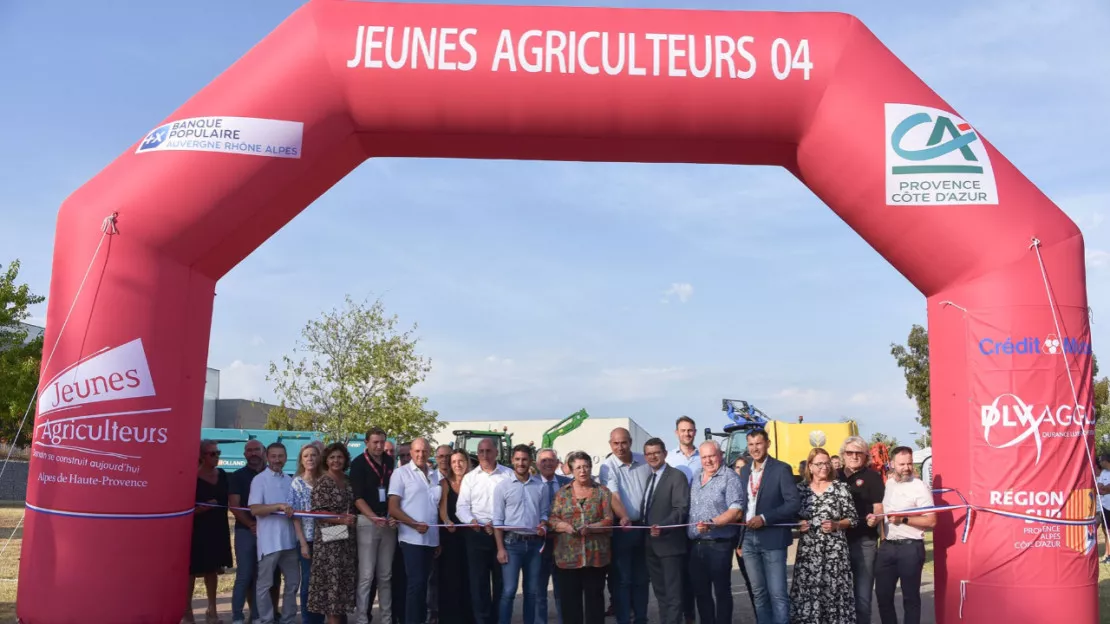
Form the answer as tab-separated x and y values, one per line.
111	374
935	158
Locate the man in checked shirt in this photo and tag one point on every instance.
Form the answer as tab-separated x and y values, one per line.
717	499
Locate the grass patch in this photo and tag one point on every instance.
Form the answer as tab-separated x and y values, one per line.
10	517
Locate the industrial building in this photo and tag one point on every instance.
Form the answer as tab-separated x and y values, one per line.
592	436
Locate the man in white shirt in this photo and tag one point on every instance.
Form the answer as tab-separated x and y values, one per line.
688	461
520	502
475	507
414	494
277	538
902	551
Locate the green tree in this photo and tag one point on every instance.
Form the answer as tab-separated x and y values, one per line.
281	418
353	370
889	441
1102	408
20	358
913	359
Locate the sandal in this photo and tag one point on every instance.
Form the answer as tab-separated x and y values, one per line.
212	617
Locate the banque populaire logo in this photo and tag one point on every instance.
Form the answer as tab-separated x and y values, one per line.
934	158
111	374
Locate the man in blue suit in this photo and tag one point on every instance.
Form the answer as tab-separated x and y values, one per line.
548	462
772	499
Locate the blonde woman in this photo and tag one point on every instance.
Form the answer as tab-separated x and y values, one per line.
823	591
309	469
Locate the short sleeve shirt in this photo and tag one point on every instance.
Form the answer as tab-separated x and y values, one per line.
300	497
867	489
419	493
275	531
901	496
722	492
1104	479
240	483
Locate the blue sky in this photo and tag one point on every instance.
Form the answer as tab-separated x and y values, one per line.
633	290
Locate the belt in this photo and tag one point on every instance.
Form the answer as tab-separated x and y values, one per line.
902	542
713	540
520	537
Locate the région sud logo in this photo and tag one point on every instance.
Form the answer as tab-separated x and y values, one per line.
1009	421
111	374
934	158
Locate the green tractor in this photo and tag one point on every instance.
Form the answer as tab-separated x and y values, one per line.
468	440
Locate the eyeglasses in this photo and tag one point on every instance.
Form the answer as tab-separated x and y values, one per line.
854	453
819	465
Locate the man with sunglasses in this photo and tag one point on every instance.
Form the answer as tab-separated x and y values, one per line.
867	489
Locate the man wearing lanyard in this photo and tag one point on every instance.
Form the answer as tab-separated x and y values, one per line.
377	533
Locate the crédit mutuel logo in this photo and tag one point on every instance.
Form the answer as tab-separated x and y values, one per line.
111	374
934	158
1009	421
1029	345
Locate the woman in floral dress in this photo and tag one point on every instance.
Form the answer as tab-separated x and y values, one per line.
822	592
331	588
582	517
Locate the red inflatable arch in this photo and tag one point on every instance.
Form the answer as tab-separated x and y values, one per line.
115	442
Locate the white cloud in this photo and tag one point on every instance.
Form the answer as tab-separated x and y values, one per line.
803	398
679	290
862	398
537	381
1098	259
241	380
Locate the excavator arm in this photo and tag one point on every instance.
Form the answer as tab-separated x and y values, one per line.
563	427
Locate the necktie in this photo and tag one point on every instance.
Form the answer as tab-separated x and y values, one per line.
551	491
645	504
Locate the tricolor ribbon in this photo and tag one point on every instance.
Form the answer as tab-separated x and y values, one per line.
971	509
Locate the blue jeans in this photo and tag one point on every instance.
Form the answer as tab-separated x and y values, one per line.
418	567
307	617
767	571
524	556
246	562
711	577
630	591
862	552
547	571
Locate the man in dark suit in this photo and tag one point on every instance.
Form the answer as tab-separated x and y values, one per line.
547	462
666	501
772	499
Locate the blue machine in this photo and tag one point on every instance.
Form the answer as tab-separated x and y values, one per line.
232	442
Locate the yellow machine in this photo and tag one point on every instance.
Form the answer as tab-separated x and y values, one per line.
790	442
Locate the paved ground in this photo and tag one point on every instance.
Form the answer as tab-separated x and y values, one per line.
742	612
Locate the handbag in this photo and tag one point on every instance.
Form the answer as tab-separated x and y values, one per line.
333	532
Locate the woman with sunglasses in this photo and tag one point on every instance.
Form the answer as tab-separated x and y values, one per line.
211	550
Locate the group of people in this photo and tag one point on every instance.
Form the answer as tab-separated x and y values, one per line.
451	543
